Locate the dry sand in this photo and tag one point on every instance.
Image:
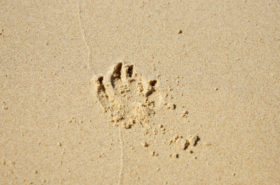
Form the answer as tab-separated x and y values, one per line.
140	92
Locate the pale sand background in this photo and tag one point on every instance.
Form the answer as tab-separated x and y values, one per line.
226	62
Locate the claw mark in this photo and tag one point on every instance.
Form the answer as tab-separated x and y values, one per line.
129	71
101	93
153	83
101	87
151	88
116	74
196	140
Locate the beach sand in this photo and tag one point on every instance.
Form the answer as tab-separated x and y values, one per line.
140	92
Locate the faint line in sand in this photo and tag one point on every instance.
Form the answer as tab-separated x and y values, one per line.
122	156
84	38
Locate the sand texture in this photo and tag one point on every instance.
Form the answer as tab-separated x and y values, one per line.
140	92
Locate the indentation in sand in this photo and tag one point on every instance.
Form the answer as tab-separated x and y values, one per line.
126	96
128	100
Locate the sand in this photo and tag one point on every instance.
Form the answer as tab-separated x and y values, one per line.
140	92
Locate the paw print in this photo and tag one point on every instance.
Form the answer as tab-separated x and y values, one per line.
125	96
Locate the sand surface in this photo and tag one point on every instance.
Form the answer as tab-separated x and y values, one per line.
146	92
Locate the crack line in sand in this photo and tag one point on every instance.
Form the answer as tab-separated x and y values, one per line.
83	33
122	156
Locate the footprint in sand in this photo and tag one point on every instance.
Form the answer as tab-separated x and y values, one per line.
126	97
